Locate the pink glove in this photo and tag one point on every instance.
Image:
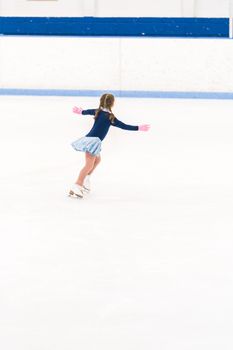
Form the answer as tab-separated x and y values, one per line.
77	110
144	127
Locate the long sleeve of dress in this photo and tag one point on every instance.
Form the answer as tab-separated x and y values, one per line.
124	126
89	112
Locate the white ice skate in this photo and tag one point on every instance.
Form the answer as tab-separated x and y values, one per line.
87	184
77	191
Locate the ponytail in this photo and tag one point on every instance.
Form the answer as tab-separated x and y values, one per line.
106	101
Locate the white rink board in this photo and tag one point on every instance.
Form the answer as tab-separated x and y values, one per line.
186	65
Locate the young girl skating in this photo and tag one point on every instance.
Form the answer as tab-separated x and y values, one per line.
91	143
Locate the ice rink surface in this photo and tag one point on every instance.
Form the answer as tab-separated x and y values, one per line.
144	262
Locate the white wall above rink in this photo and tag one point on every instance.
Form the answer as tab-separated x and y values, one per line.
42	8
145	8
212	8
203	65
113	8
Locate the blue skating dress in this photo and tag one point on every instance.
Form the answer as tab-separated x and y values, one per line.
91	143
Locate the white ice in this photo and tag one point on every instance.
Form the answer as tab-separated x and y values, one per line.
142	263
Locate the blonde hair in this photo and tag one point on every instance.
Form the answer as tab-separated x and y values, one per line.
106	101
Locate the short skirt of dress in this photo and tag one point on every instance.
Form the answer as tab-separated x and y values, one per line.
88	144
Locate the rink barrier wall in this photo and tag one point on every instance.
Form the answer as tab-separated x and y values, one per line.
116	26
118	93
131	67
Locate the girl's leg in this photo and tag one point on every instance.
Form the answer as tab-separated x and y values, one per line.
90	161
97	161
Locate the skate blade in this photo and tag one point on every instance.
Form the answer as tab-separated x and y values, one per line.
72	194
86	190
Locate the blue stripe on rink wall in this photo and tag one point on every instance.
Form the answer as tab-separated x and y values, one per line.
116	26
118	93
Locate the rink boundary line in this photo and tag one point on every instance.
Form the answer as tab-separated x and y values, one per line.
118	93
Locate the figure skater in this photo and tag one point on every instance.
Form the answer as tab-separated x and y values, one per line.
91	143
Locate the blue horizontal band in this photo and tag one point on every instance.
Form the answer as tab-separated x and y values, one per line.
118	93
116	26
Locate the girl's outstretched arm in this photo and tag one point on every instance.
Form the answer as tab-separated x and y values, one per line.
79	110
119	124
124	126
